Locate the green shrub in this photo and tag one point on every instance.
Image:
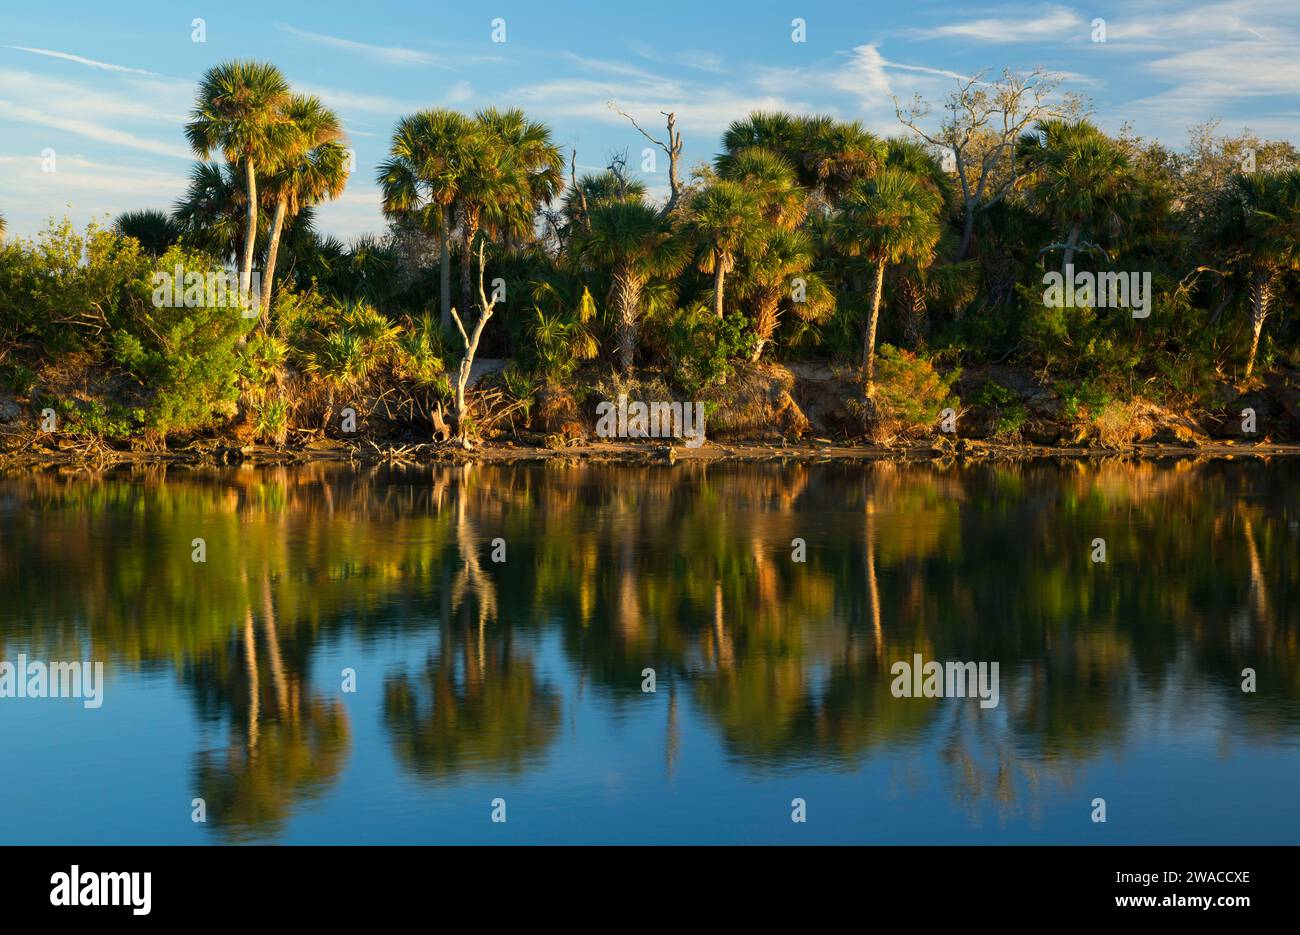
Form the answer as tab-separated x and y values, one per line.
188	357
699	349
909	394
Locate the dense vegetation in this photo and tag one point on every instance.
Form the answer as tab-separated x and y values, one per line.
912	267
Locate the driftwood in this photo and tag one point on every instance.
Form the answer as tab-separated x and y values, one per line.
471	348
441	429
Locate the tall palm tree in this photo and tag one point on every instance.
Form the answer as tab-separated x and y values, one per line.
887	219
314	167
837	155
156	231
1078	178
488	187
1258	222
421	180
239	112
725	218
535	164
631	239
766	277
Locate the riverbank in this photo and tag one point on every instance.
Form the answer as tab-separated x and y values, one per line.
221	453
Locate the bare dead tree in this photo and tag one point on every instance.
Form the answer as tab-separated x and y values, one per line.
982	123
578	190
471	348
673	148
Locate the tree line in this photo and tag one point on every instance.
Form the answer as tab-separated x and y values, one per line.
805	237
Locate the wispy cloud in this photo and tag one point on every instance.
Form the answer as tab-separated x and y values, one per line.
1054	22
698	59
90	62
384	54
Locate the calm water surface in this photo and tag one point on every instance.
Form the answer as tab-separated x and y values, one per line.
522	680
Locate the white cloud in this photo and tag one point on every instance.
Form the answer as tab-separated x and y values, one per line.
68	56
1052	23
82	187
384	54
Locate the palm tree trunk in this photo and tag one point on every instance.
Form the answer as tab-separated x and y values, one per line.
444	266
466	259
1070	243
1261	297
250	235
719	282
626	295
913	298
766	319
277	225
869	343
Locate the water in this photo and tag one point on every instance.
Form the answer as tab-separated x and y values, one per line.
522	680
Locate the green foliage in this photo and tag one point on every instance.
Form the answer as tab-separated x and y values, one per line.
1009	413
187	356
63	289
700	350
909	393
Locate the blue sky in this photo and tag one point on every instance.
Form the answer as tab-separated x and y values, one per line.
107	85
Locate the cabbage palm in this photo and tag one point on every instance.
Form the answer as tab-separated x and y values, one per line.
534	165
1258	221
890	218
772	179
1078	178
213	214
631	239
726	219
156	231
600	188
767	275
487	189
240	113
422	178
314	167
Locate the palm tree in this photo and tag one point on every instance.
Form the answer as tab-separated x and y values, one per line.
766	276
599	189
313	168
1078	178
422	178
3	226
535	164
725	218
772	179
240	113
837	155
1258	221
156	231
632	239
828	155
487	187
890	218
213	214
